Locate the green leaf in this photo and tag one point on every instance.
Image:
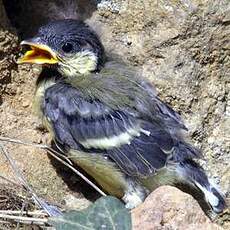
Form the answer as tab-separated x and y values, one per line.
107	213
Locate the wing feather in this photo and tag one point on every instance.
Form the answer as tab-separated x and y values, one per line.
139	146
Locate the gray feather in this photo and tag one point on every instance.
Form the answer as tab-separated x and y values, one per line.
88	111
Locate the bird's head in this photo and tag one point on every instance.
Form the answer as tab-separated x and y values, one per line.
68	45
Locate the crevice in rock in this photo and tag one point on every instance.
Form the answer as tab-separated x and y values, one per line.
28	15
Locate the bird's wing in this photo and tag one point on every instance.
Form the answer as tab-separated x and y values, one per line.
160	110
138	146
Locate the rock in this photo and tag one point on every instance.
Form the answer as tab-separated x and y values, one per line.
8	45
25	103
4	20
169	208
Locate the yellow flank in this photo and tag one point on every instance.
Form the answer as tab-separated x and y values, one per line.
47	125
39	96
37	103
164	176
105	172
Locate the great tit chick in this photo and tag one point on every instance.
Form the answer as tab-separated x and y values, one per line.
109	120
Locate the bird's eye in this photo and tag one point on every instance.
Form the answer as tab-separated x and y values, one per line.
67	47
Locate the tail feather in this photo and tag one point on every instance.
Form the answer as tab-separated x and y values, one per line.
213	196
195	175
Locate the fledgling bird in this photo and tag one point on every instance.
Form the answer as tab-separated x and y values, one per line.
109	120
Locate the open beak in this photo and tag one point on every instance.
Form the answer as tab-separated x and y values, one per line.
38	54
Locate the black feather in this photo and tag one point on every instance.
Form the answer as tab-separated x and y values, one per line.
139	158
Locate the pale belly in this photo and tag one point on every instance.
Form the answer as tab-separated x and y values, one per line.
105	172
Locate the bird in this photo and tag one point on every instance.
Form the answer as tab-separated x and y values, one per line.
108	119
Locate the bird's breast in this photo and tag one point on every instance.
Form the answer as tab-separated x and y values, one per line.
39	98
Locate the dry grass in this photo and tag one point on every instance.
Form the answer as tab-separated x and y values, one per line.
14	198
19	204
16	204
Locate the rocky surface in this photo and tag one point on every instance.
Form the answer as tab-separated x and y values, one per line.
181	46
169	208
8	44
